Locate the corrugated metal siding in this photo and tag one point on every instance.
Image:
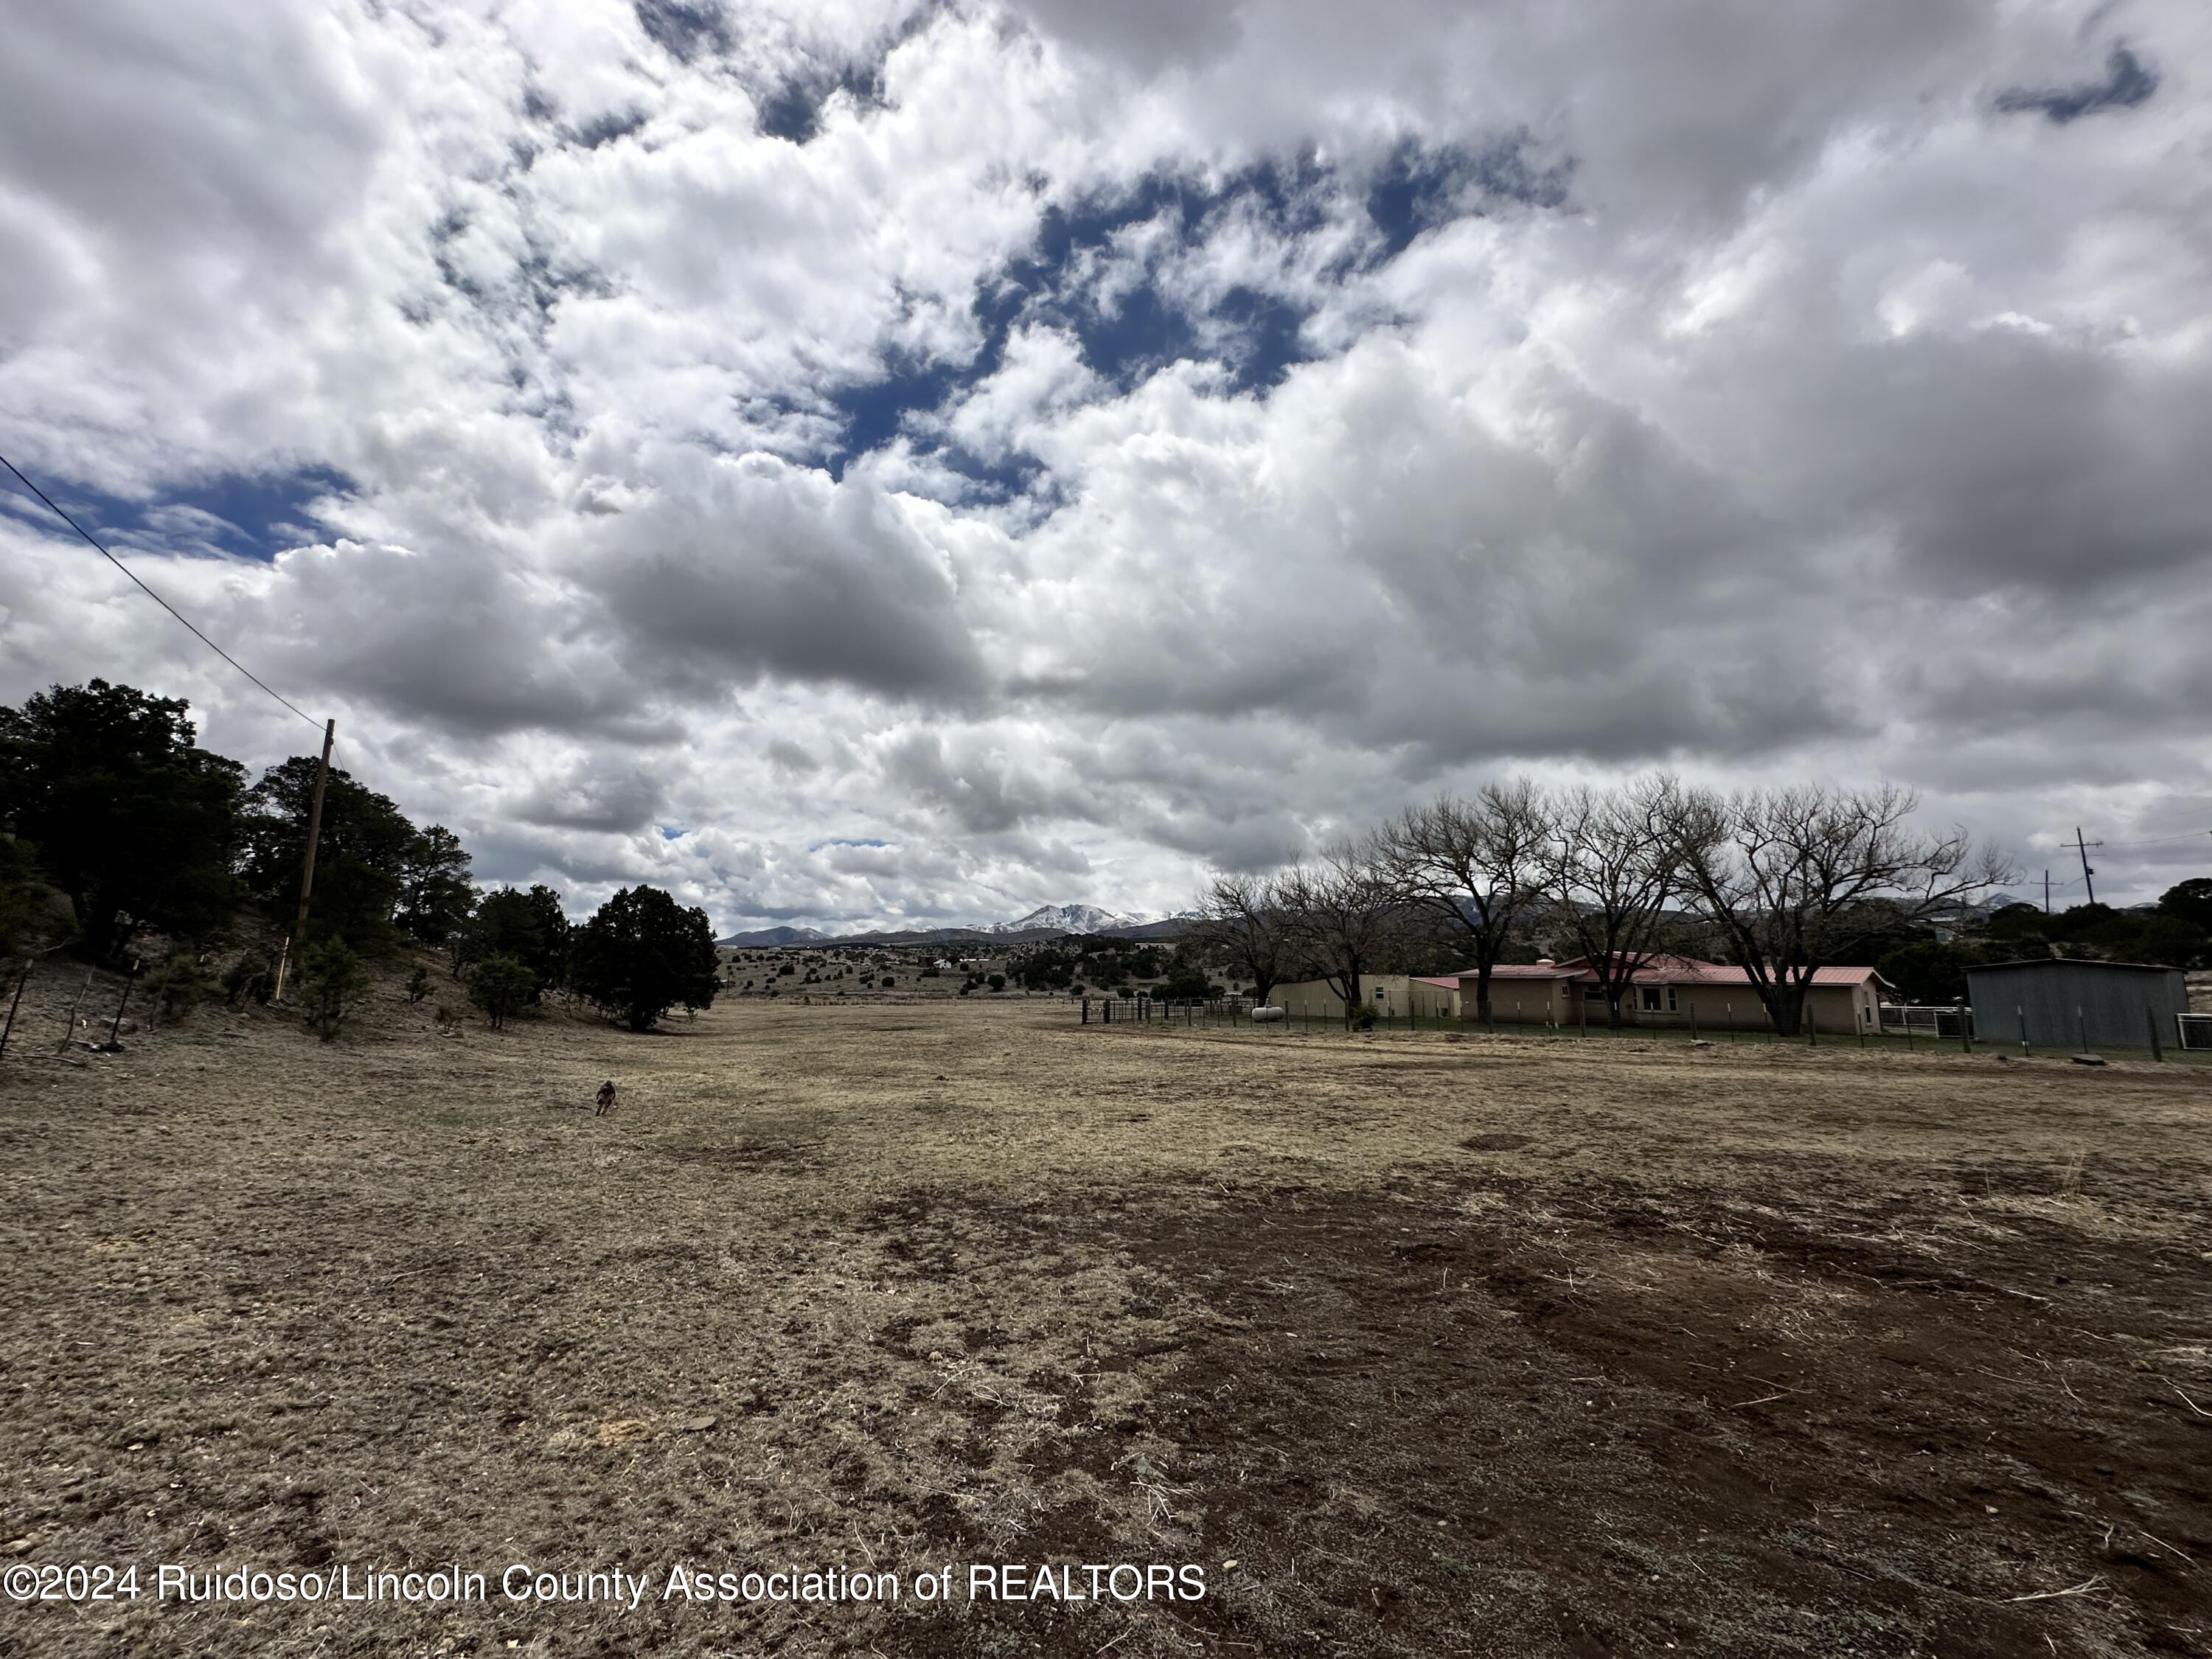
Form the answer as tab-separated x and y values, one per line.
2112	1000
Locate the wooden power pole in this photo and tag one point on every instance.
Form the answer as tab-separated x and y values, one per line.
307	865
2088	871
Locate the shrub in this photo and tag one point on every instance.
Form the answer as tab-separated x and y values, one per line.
888	981
998	982
418	983
445	1018
178	986
26	900
249	976
1363	1018
501	985
1184	985
331	979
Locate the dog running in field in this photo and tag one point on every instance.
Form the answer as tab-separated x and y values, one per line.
606	1099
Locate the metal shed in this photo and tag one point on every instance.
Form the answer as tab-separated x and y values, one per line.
2060	1001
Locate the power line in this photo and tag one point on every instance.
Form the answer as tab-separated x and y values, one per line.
156	598
2155	841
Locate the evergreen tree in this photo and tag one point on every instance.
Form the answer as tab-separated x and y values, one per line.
642	954
129	815
434	894
331	980
530	928
502	987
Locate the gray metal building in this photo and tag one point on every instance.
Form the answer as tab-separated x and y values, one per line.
2062	1001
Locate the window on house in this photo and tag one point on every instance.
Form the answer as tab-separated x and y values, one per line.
1670	1000
1593	994
1652	999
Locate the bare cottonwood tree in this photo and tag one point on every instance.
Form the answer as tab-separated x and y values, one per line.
1795	879
1609	870
1246	921
1478	865
1344	915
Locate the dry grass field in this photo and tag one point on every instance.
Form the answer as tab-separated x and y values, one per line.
1415	1346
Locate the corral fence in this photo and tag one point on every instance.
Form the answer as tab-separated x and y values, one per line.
1927	1019
1903	1027
1192	1011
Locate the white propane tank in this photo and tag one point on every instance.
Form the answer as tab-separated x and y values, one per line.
1266	1016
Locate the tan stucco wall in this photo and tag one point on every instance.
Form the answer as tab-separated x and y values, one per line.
1518	1001
1838	1010
1313	998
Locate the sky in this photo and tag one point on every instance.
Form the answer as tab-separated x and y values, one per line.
861	463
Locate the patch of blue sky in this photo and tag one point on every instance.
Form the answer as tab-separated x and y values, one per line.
230	515
1081	274
2127	83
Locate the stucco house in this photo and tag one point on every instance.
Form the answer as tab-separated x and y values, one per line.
1393	996
1668	991
1671	991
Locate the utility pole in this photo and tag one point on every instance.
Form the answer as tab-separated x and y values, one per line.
2082	848
307	865
2046	892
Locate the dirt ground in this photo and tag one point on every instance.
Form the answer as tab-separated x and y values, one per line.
1411	1345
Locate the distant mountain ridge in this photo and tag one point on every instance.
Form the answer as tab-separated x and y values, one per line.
1066	919
1046	921
764	936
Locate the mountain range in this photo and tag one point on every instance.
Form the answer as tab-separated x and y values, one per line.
1046	921
1067	919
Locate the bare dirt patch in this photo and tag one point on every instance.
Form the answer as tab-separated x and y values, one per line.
1503	1345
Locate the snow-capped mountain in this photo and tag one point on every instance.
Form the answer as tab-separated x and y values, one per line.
1080	919
1066	919
1045	918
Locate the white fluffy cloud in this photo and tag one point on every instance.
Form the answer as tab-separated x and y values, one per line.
878	461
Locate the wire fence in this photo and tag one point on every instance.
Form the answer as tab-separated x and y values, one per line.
1931	1029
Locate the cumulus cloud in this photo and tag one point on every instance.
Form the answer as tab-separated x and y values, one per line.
876	461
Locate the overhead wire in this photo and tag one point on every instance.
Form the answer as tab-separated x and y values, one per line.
156	598
2155	841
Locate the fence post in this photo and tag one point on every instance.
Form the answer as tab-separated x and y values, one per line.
2021	1010
2081	1027
2150	1018
116	1025
69	1020
16	1002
